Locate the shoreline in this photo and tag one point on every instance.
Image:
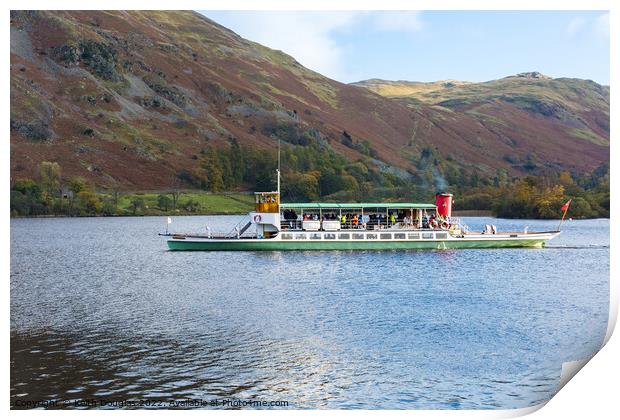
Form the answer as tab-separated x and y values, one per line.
472	213
78	216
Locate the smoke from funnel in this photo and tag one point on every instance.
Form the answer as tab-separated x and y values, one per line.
440	181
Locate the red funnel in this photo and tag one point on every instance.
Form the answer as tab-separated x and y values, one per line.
443	202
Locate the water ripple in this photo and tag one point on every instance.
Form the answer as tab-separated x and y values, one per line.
100	310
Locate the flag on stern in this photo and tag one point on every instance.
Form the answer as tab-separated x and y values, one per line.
565	206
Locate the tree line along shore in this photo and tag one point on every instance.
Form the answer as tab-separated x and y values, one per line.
531	197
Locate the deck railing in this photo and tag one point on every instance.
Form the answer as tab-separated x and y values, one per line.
294	224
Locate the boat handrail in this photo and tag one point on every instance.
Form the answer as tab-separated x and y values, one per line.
397	227
239	229
456	221
297	224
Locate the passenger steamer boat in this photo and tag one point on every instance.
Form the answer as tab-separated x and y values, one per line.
351	226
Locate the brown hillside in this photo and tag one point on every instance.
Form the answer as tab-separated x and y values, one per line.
130	99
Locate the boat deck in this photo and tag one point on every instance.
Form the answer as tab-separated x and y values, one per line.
363	234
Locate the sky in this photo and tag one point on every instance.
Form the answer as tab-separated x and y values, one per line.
433	45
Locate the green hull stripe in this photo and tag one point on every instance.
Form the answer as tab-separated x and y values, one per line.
241	245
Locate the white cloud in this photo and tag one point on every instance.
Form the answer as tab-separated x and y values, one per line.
601	25
304	35
398	21
309	36
575	25
598	26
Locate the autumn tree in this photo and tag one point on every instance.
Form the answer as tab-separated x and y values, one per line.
50	176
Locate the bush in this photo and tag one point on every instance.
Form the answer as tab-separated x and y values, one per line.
89	202
164	202
290	132
481	201
302	187
27	198
191	206
109	209
137	205
78	184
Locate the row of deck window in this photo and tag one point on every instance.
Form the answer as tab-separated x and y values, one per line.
363	236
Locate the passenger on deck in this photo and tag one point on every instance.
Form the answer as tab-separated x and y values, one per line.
392	219
355	221
343	220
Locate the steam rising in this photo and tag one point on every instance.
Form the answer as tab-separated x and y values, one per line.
440	182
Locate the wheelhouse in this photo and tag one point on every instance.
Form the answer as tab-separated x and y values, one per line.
267	202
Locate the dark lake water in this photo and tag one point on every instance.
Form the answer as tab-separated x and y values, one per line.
100	310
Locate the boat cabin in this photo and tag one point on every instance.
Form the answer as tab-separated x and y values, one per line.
343	216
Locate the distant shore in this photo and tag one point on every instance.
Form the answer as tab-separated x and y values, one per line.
30	200
218	205
472	213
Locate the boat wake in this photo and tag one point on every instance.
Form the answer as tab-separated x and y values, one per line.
577	247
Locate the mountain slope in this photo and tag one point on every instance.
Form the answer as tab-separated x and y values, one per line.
132	99
541	105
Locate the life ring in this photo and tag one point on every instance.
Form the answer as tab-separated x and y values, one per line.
445	225
257	218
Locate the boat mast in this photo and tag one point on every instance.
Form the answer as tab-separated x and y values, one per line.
278	173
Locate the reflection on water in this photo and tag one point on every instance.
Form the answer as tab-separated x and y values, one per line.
101	311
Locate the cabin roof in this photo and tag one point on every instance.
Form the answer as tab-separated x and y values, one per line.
311	206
